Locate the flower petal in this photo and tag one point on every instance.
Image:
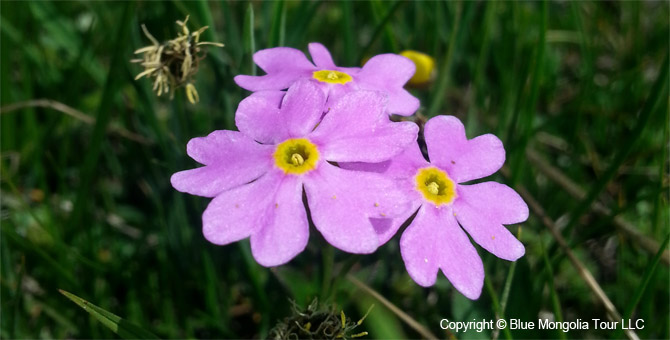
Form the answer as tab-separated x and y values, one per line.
321	56
463	159
483	208
387	70
285	232
236	214
386	228
335	92
282	59
231	159
434	240
402	103
389	73
258	116
402	166
357	129
283	65
420	247
269	82
302	108
341	203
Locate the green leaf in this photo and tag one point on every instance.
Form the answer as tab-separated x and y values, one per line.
658	93
444	67
278	25
380	28
248	37
119	326
651	269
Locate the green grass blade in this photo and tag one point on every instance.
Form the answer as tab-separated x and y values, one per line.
282	26
328	255
657	95
505	296
658	202
92	156
205	14
444	67
115	323
348	33
495	305
555	300
20	241
648	273
278	11
248	37
527	116
377	10
301	20
380	28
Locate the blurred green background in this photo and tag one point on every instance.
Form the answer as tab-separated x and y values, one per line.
578	92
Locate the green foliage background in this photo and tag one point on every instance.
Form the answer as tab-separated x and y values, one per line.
582	85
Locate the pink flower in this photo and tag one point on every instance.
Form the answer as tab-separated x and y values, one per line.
386	73
434	240
257	176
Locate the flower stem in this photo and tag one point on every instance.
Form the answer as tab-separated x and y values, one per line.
328	260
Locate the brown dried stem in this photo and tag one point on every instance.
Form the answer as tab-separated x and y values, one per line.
74	113
393	308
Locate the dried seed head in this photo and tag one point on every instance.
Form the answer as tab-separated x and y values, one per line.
317	322
174	63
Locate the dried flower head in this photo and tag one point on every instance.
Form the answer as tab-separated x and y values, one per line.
175	62
317	322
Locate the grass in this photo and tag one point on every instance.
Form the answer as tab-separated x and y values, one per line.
87	206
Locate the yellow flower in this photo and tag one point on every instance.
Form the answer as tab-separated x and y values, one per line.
425	67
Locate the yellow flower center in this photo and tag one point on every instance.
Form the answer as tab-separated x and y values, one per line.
332	77
435	185
296	156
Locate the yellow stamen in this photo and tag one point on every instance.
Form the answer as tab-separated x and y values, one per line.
435	185
433	188
296	156
332	77
296	159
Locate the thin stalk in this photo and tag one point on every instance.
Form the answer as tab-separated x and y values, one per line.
249	39
110	91
574	190
380	28
581	269
657	93
326	281
648	273
393	308
555	301
444	73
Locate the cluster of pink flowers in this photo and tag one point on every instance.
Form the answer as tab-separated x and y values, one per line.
321	131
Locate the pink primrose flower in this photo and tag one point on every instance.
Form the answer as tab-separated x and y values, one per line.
386	73
257	175
434	240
